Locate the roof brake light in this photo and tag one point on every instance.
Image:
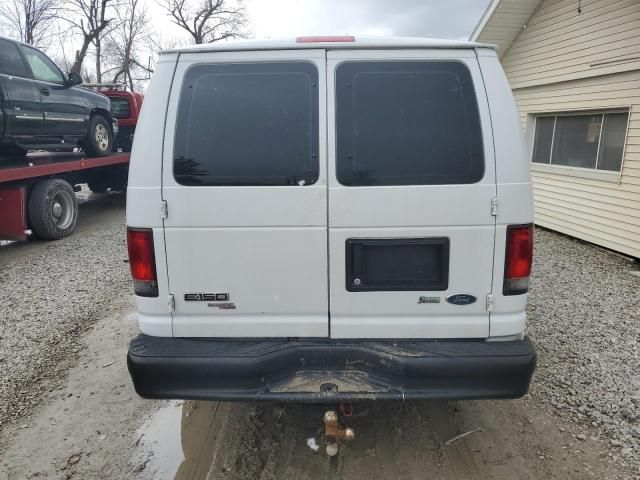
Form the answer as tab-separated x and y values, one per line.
326	39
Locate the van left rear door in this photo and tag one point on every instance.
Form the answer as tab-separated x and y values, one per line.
244	178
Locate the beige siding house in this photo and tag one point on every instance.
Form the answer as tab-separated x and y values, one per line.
574	67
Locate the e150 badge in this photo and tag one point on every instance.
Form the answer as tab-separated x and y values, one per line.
212	300
206	297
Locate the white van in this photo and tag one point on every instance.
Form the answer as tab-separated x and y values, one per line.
330	219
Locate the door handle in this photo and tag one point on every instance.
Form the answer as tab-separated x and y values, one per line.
44	91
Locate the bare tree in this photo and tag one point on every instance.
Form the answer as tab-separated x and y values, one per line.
208	21
124	44
62	53
30	18
93	25
160	42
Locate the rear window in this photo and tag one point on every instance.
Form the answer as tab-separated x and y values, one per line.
407	123
120	107
248	124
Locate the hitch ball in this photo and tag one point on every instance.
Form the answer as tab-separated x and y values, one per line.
335	433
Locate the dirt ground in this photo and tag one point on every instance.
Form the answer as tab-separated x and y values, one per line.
392	441
91	424
97	416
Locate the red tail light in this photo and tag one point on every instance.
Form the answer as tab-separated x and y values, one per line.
330	39
142	261
517	265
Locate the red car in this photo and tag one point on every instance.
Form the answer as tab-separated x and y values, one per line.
125	107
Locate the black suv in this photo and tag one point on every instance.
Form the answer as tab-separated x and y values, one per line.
41	108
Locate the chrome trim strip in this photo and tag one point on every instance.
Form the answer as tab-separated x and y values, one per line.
64	119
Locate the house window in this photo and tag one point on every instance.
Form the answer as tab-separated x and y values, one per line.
583	140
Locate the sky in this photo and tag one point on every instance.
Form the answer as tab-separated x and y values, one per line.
453	19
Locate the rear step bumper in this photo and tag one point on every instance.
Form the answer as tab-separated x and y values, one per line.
328	371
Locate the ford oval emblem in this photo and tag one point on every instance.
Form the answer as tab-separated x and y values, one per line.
461	299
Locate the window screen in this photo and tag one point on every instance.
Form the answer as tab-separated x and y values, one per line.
248	124
543	138
407	123
612	141
11	62
593	140
575	143
120	107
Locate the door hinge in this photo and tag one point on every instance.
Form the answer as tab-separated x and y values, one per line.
494	206
164	209
490	302
172	303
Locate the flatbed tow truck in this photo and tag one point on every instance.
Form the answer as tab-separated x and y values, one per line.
37	192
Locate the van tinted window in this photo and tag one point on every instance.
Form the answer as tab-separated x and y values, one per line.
248	124
407	123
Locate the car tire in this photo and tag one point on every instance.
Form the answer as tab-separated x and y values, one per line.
53	209
99	139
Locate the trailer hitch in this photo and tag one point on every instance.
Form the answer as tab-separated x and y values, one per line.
334	432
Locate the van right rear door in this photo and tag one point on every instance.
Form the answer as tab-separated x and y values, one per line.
411	182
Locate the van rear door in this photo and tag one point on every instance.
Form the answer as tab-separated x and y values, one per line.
411	183
244	178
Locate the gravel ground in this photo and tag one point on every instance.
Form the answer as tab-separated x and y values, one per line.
43	316
584	315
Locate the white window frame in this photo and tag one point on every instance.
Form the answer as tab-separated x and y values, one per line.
590	173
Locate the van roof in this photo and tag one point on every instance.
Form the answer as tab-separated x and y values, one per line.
332	42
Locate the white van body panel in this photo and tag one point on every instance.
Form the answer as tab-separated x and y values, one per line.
302	242
460	212
263	245
280	251
515	194
366	42
144	193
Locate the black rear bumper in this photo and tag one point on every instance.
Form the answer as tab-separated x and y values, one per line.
328	371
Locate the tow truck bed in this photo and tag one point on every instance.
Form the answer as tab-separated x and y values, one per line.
23	179
48	164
